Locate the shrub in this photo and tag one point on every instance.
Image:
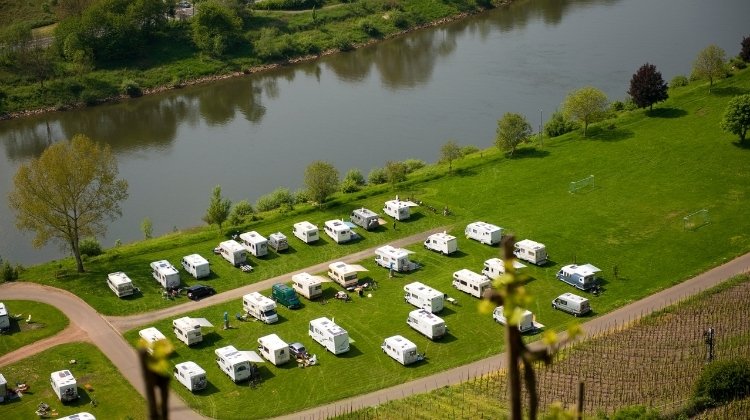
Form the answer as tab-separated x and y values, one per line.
281	197
745	51
349	186
343	43
467	150
352	181
617	106
8	272
131	88
559	125
301	196
377	176
679	81
413	164
636	412
370	27
737	63
400	20
90	247
289	4
241	213
722	381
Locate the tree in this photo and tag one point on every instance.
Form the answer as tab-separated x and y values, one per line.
736	118
450	152
241	212
586	105
512	130
68	193
218	209
709	64
395	172
147	228
215	28
353	181
647	87
321	180
745	51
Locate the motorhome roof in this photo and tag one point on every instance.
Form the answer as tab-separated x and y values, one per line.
572	297
252	237
305	226
484	226
232	245
427	316
232	355
273	342
497	261
584	270
63	377
442	235
365	212
188	322
190	368
465	272
3	311
195	259
337	225
151	334
257	297
400	342
423	288
393	252
119	278
277	236
164	267
528	243
328	325
398	203
307	279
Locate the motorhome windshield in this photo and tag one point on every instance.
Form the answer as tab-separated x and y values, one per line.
269	312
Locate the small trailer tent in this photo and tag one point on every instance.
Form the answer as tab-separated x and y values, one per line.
495	267
233	252
427	323
533	252
424	297
196	265
527	322
254	243
306	232
189	330
310	286
165	274
401	349
396	259
581	276
260	307
470	282
338	231
151	335
334	338
484	232
366	218
274	349
238	365
442	243
399	210
64	385
120	284
344	274
191	375
278	241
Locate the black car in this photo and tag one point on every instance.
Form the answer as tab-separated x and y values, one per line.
199	291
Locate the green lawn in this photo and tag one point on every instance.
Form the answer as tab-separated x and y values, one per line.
115	397
46	321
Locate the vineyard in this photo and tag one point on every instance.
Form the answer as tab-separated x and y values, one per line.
653	362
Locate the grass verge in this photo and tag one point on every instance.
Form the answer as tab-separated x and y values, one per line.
46	321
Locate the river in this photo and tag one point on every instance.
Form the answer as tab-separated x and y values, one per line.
399	99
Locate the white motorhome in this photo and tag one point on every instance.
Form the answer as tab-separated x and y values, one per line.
424	297
274	349
442	243
527	322
238	365
308	285
165	274
306	232
344	274
581	276
366	218
4	318
401	349
196	265
427	323
120	284
470	282
191	375
338	231
334	338
255	243
533	252
233	252
260	307
399	210
189	330
484	232
278	241
572	304
64	385
151	335
495	267
396	259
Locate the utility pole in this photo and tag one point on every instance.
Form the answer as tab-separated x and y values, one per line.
541	141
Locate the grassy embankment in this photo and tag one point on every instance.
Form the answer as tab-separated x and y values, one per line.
46	321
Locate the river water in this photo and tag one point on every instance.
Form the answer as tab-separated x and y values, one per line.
399	99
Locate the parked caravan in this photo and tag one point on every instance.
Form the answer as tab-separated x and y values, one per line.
285	295
278	241
238	365
396	259
526	324
470	282
581	276
338	231
399	210
188	330
427	323
260	307
495	267
233	252
484	233
366	218
530	251
572	304
165	274
254	243
120	284
191	375
306	232
442	243
151	335
4	318
424	297
334	338
79	416
64	385
344	274
401	349
310	286
196	265
274	349
3	388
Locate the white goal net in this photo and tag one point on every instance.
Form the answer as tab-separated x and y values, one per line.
695	220
584	183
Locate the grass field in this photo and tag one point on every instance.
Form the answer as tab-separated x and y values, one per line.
46	321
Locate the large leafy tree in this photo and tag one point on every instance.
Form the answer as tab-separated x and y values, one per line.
449	152
709	64
745	51
395	172
585	105
512	130
321	180
736	118
647	87
215	27
68	193
218	209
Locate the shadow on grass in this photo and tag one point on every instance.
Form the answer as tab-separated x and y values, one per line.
666	113
609	134
463	172
529	152
352	353
209	340
356	238
742	145
728	91
210	389
446	339
457	254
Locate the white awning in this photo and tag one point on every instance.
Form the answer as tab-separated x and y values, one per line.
252	356
410	203
203	322
357	267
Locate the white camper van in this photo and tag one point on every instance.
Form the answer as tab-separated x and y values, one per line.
274	349
366	218
470	282
526	324
581	276
165	274
424	297
260	307
401	349
188	330
255	243
151	335
196	265
233	252
64	385
238	365
278	241
334	338
484	233
427	323
4	319
120	284
191	375
338	231
572	304
399	210
396	259
495	267
344	274
308	285
442	243
306	232
530	251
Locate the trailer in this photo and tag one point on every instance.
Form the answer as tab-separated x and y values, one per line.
306	232
345	274
189	330
424	297
365	218
4	318
238	365
151	335
233	252
484	232
191	375
338	230
396	259
526	323
310	286
64	384
120	284
254	243
442	243
427	323
533	252
260	307
278	242
334	338
165	274
495	267
470	282
583	277
399	210
401	349
196	265
274	349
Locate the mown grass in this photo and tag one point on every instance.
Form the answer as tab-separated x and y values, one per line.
46	321
25	11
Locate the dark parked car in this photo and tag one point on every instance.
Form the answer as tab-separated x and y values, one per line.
199	291
297	350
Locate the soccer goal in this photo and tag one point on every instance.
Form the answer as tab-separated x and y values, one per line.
695	220
587	182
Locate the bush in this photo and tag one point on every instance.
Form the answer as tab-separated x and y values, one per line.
289	4
353	181
559	125
377	176
636	412
131	88
370	27
301	196
737	63
467	150
722	381
90	247
679	81
343	43
8	272
281	197
413	164
241	213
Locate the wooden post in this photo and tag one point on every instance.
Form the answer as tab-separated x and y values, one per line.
579	407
